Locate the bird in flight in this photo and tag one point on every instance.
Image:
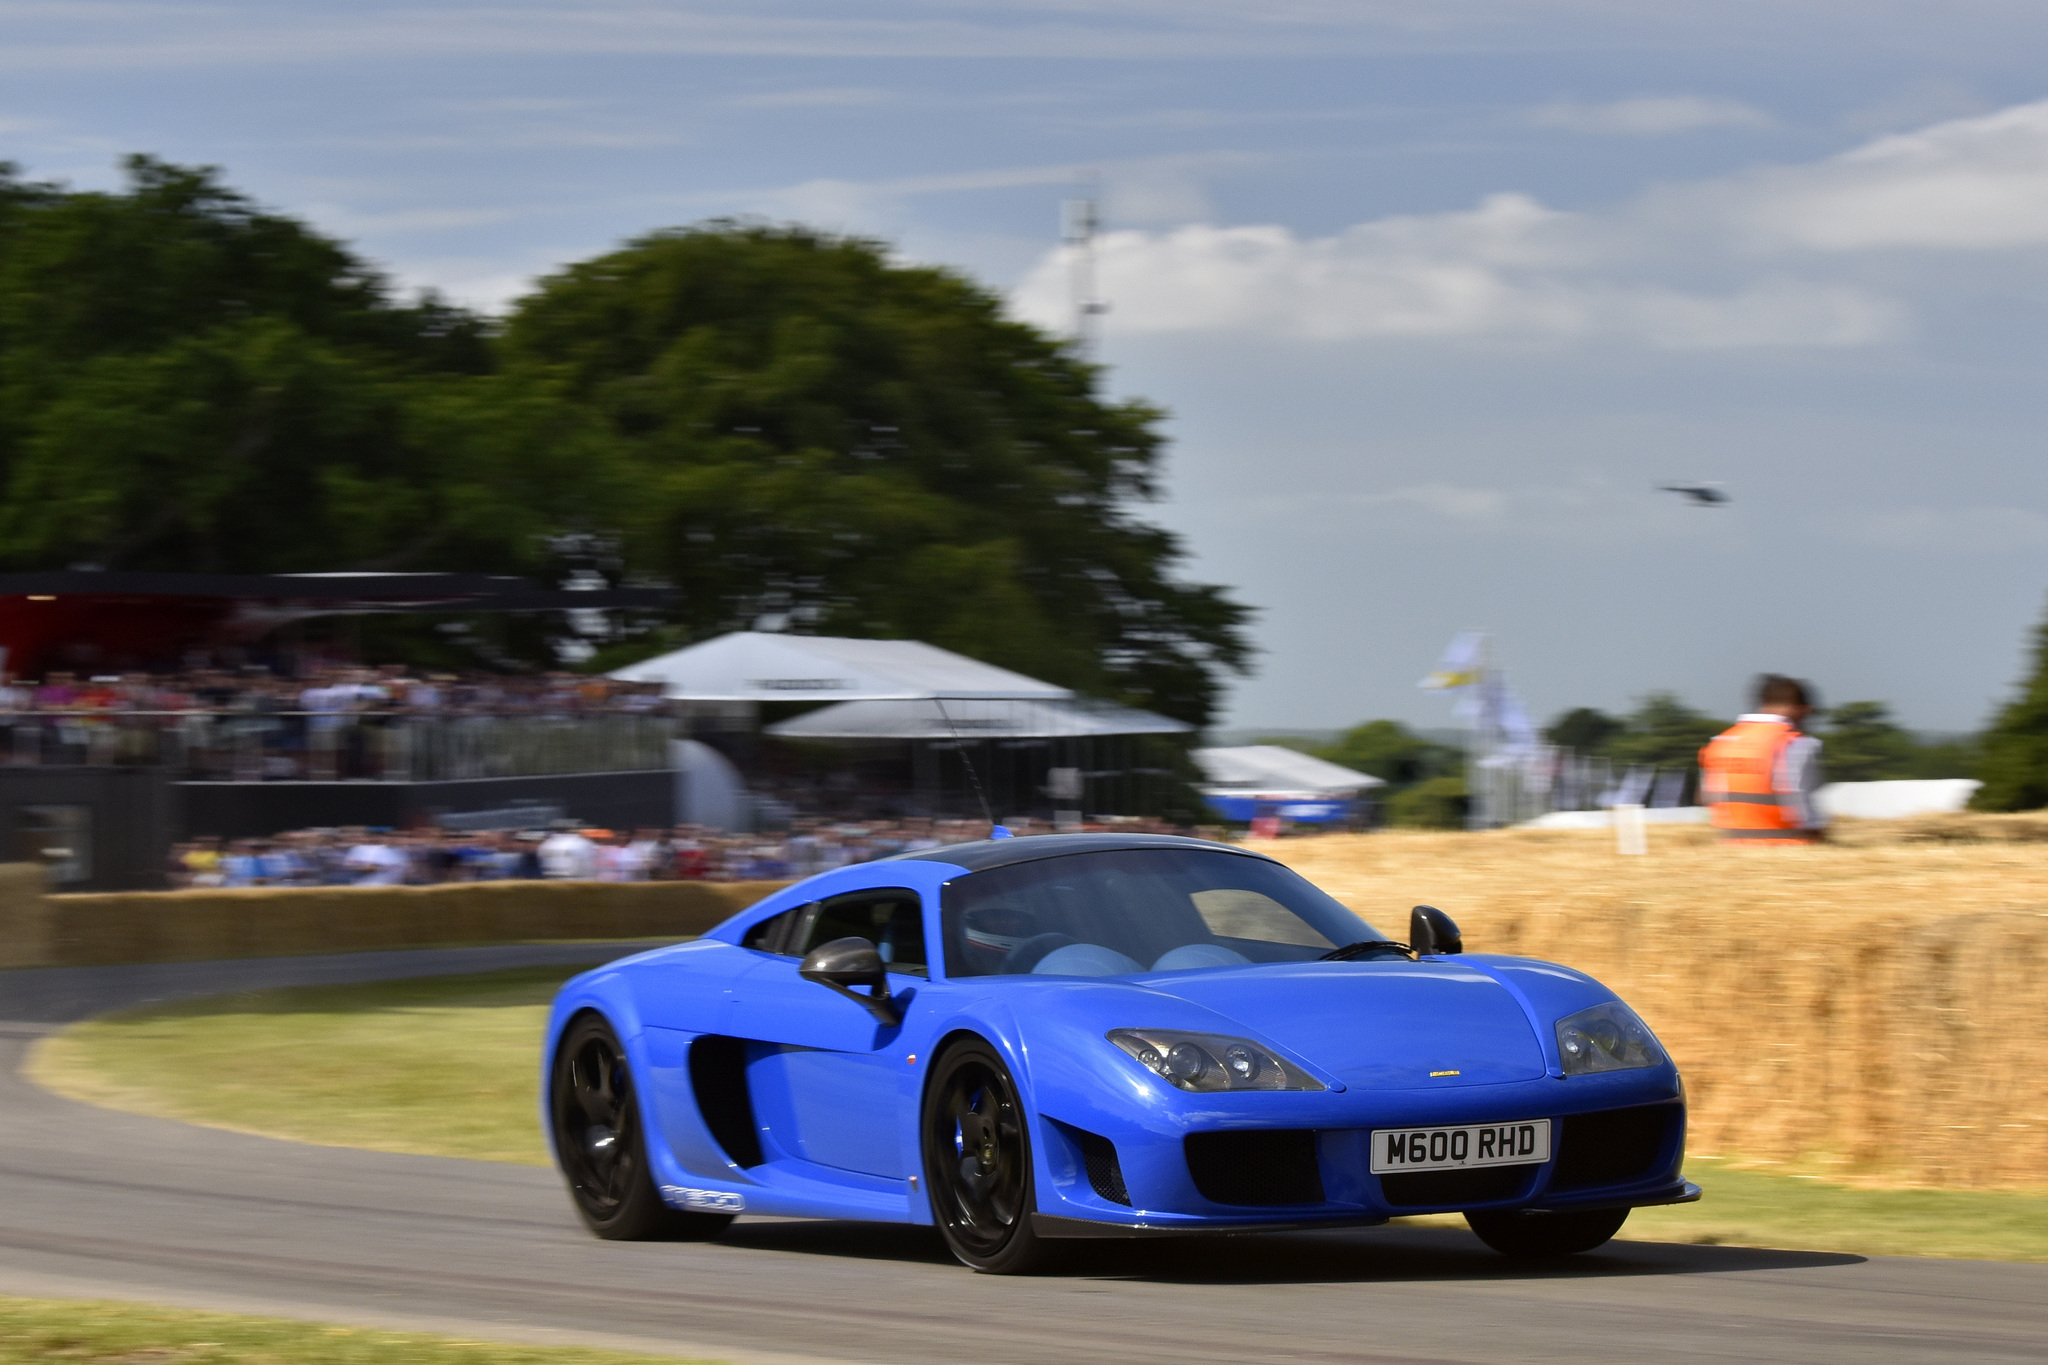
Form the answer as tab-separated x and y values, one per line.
1702	494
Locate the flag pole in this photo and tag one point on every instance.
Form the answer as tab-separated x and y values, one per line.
1477	798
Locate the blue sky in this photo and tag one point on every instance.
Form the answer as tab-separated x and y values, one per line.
1434	292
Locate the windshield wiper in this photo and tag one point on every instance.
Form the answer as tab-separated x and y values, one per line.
1364	946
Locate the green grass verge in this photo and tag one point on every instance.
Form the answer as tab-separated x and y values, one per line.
1795	1213
448	1067
34	1331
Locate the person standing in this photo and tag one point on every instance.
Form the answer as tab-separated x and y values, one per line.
1759	776
566	855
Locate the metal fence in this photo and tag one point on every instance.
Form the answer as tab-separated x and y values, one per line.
1510	788
319	746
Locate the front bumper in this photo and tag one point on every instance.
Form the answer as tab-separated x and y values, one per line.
1619	1142
1056	1226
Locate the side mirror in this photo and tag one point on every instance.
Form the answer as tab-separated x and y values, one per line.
845	963
1431	931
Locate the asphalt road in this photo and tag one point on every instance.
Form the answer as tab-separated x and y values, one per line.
115	1205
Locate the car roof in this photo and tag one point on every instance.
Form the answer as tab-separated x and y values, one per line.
983	854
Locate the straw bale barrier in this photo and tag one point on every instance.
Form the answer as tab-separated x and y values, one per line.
1875	1009
175	926
24	916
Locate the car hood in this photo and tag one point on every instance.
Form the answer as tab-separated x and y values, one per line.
1377	1024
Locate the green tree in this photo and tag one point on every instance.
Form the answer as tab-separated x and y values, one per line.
1584	730
1861	743
849	446
187	382
1663	732
1439	803
1393	753
1946	758
2014	767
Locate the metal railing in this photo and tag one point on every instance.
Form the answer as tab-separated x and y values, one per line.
326	746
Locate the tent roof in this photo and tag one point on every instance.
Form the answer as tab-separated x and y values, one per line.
979	718
753	666
1269	767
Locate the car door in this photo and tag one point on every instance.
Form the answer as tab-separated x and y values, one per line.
827	1082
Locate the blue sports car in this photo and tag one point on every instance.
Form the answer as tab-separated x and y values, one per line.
1028	1041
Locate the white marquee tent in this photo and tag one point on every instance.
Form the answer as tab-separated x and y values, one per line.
758	667
978	718
1258	769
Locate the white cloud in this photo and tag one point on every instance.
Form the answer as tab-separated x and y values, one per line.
1650	116
1509	268
1967	184
1772	243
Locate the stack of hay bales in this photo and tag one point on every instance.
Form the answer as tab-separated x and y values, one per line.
183	926
1873	1008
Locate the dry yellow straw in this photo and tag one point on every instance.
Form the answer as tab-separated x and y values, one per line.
1874	1008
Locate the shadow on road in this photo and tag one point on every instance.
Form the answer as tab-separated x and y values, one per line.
823	1237
1350	1255
1396	1254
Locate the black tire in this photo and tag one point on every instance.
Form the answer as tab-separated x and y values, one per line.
977	1163
1541	1236
602	1149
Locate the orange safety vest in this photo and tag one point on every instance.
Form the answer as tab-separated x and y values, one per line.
1740	766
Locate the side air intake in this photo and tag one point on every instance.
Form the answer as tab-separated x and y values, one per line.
718	1077
1613	1147
1105	1173
1256	1168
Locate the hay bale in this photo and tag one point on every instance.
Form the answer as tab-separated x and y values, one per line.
199	925
1877	1010
24	915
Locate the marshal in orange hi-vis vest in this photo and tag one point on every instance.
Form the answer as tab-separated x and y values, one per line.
1740	765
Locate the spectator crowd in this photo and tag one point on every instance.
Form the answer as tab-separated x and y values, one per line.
327	691
330	722
566	852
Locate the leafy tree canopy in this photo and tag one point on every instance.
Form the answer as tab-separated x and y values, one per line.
2014	767
1584	730
1393	753
187	382
778	423
818	435
1861	743
1663	732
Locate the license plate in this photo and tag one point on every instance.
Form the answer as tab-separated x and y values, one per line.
1457	1149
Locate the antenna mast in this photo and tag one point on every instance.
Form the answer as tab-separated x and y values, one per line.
1079	222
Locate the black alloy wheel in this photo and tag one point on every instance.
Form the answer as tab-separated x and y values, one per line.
1538	1236
977	1163
598	1140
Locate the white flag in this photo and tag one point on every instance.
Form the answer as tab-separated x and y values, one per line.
1462	665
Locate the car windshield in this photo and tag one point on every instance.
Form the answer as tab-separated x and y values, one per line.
1134	910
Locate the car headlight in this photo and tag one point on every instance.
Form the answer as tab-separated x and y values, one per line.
1211	1061
1606	1037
